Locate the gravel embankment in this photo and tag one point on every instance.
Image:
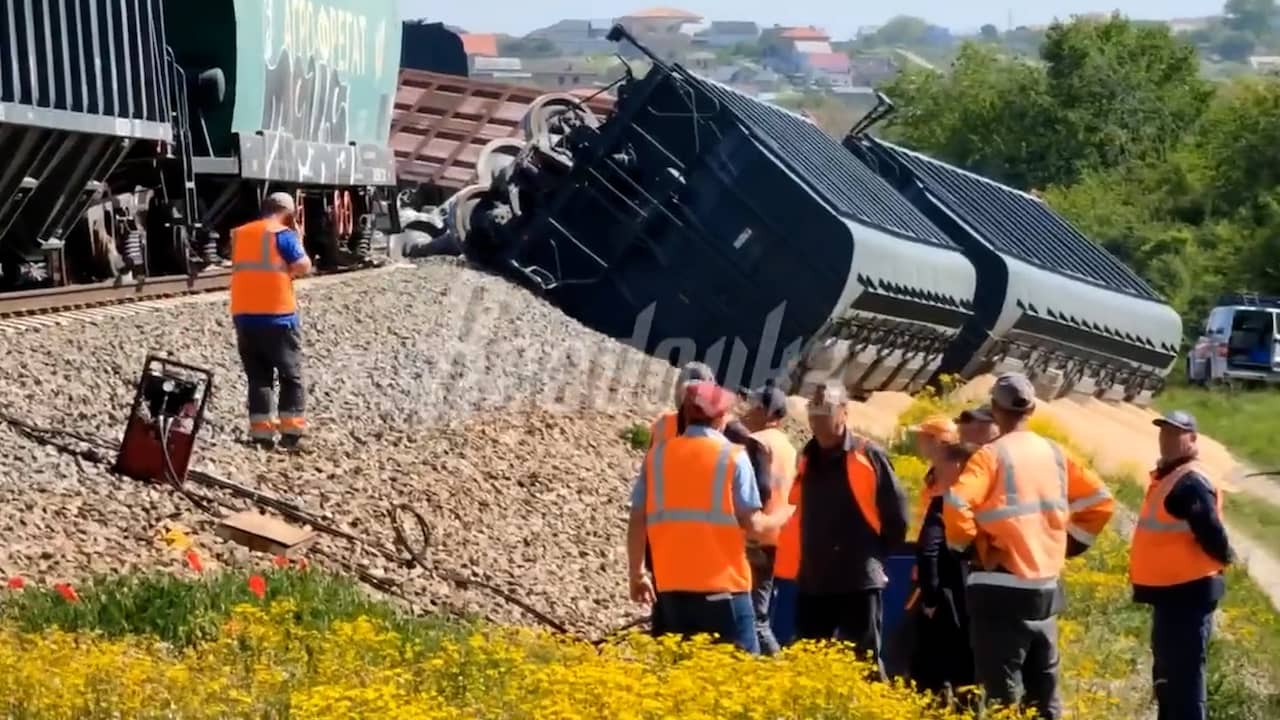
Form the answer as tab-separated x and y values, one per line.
438	386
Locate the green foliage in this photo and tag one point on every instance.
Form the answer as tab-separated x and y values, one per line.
1117	129
638	436
182	611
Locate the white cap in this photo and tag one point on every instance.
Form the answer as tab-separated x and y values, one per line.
279	201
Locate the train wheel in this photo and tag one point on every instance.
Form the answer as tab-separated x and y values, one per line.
549	120
496	158
348	217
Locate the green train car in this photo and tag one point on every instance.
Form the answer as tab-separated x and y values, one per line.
138	133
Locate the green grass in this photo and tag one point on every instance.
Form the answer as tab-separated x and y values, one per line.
183	611
1256	519
1244	421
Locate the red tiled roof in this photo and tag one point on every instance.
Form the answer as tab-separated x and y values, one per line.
483	44
804	33
664	13
831	62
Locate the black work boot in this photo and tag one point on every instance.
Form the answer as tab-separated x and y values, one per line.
263	443
291	443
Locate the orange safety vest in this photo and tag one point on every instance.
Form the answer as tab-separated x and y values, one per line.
1023	522
260	281
665	427
782	472
862	482
694	536
1164	550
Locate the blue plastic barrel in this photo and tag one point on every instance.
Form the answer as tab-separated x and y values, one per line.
899	568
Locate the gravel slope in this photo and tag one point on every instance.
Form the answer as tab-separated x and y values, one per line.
436	385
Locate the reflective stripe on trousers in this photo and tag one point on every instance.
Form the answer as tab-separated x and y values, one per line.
720	515
262	426
264	264
292	424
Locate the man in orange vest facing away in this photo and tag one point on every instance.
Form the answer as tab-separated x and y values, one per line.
1024	506
766	409
1176	563
852	515
266	255
693	503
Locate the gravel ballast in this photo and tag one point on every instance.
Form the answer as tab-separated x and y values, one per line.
436	385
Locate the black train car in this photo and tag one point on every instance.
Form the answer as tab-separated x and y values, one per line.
696	222
83	90
1049	302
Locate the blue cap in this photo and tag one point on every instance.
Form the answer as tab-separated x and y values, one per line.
1180	419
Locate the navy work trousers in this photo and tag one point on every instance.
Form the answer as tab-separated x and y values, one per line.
1179	644
728	616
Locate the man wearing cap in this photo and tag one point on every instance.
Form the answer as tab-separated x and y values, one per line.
673	423
976	426
852	515
766	409
1023	506
694	498
1179	553
266	255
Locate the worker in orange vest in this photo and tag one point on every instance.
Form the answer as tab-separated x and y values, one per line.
672	424
1023	505
852	515
1179	552
692	504
766	409
266	255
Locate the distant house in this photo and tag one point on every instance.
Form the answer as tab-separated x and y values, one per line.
1265	63
831	68
578	37
480	44
563	73
723	34
501	69
658	20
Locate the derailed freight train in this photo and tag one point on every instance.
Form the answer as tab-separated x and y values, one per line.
695	221
137	133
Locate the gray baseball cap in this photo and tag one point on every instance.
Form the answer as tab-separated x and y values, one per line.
280	201
1180	419
978	414
1014	392
696	372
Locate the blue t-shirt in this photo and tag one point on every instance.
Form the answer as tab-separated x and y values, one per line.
289	245
746	496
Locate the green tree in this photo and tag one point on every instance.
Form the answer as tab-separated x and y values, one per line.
1121	92
902	30
989	33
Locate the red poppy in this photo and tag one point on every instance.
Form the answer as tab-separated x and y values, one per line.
16	583
257	586
302	563
193	561
280	561
67	592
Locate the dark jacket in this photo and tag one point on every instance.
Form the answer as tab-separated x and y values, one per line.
940	572
839	552
940	650
1193	499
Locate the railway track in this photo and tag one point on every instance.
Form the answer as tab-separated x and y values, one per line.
48	307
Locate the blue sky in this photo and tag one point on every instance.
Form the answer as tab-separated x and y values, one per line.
841	19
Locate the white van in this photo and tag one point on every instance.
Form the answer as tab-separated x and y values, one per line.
1241	342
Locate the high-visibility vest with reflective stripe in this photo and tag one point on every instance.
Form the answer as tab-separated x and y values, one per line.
862	483
782	472
694	536
665	427
1165	551
260	282
1022	523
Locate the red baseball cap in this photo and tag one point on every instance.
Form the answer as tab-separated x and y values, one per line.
708	400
